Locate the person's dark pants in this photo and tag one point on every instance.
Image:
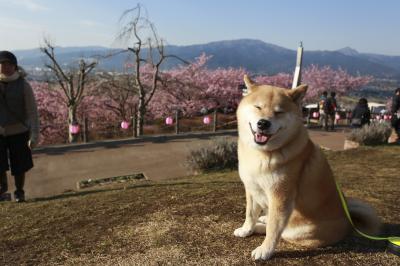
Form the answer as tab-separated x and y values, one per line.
3	182
19	184
329	122
396	125
332	121
15	154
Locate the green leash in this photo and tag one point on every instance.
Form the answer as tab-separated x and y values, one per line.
394	241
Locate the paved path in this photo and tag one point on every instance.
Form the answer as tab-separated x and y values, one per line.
330	140
58	169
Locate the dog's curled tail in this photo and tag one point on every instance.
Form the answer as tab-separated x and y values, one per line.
364	217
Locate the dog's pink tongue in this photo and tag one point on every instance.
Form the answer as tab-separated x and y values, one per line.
261	138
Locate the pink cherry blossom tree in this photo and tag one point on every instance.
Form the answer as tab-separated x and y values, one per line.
52	113
192	87
325	78
72	81
282	80
188	88
113	92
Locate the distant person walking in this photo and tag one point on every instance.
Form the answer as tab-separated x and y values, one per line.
330	107
361	114
19	124
395	112
322	115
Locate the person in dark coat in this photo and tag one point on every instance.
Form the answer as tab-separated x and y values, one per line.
330	107
323	120
19	125
361	114
395	112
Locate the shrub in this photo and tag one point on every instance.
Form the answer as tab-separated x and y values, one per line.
374	134
218	154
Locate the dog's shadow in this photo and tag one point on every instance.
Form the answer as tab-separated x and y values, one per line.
353	243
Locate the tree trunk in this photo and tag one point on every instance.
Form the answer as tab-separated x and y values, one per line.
140	116
72	138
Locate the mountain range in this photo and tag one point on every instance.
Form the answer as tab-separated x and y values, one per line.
256	56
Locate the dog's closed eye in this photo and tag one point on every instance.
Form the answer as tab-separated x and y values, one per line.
258	107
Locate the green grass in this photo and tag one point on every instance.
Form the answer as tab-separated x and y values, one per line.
188	221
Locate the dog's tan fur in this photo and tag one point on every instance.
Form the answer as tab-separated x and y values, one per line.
289	177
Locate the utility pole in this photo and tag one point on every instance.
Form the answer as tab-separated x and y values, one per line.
297	71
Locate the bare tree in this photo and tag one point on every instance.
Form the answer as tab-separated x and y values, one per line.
72	82
131	32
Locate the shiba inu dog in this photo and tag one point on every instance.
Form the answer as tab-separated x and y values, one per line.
287	177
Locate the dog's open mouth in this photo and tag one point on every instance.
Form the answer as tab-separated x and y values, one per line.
260	137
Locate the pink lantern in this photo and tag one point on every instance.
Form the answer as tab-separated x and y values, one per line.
315	114
169	120
124	124
337	116
74	128
386	117
206	120
378	117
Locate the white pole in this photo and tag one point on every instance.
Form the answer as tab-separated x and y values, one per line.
297	71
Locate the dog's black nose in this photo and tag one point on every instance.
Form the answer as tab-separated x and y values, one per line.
263	124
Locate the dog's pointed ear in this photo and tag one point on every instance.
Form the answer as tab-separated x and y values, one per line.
249	85
297	94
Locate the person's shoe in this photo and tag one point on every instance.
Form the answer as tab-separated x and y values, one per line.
19	196
2	191
5	196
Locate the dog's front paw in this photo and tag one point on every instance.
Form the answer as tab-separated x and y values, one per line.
243	232
262	253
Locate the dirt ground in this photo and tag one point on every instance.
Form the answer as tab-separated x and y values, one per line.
58	169
190	221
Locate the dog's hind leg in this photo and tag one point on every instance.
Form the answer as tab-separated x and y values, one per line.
253	211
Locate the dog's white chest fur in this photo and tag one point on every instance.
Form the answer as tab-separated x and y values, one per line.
259	180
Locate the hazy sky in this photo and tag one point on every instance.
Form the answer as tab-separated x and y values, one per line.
371	26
